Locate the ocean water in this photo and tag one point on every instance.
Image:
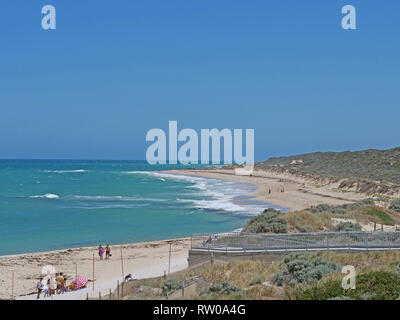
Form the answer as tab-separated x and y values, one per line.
47	205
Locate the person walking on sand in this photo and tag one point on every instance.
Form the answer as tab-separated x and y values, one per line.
101	252
39	288
108	252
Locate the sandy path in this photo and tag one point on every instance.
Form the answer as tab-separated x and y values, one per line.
282	189
143	260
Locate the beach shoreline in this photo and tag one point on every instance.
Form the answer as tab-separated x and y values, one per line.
283	190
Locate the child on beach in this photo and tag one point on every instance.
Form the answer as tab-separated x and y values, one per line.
101	252
108	251
47	289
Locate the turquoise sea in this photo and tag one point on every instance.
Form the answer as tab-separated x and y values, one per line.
56	204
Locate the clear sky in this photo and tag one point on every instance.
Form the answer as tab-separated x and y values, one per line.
112	70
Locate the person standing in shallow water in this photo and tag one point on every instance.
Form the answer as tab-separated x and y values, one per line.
108	251
101	252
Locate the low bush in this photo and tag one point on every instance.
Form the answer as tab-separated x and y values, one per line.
381	215
270	221
171	285
303	268
220	288
347	226
395	206
256	280
378	285
321	208
342	209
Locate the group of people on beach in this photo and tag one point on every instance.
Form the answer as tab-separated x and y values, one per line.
59	286
107	251
209	240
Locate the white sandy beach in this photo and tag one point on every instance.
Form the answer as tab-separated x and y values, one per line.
142	260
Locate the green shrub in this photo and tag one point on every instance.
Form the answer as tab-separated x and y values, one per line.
303	268
304	228
171	285
395	206
338	210
321	208
268	221
367	202
256	280
342	209
341	298
220	288
347	226
381	215
378	285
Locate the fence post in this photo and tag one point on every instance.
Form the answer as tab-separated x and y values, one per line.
87	296
93	272
12	290
212	258
99	295
183	288
122	265
169	259
110	294
118	289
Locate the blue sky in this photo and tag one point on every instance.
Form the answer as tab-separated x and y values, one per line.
112	70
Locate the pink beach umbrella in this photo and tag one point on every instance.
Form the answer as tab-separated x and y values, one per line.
80	282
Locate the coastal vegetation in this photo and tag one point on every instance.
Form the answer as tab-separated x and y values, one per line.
270	220
378	285
303	268
347	217
370	165
300	276
368	171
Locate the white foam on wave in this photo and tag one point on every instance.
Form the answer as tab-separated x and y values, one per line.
221	193
63	171
112	206
47	196
113	198
214	204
